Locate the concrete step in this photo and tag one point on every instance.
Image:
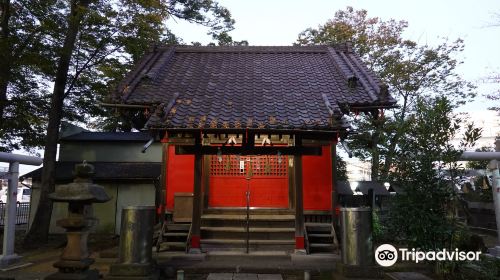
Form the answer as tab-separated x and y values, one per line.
234	220
172	246
239	245
320	235
178	227
243	211
252	217
243	242
175	234
321	245
251	229
318	227
241	233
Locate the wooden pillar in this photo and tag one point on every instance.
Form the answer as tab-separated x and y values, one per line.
162	200
206	180
333	158
197	202
299	201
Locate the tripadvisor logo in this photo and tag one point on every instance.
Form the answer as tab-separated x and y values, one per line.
388	255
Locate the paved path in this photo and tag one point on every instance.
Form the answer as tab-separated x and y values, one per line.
243	276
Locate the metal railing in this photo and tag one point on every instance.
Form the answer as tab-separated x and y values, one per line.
22	213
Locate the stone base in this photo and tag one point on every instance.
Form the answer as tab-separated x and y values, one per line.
7	260
133	271
86	275
356	271
67	266
121	269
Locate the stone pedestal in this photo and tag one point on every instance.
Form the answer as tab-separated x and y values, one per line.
74	262
136	235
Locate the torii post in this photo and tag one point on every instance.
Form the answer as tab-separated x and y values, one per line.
493	166
8	256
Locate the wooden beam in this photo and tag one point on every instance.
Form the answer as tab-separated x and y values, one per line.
305	133
227	150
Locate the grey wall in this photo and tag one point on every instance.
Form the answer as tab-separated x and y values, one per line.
109	152
108	213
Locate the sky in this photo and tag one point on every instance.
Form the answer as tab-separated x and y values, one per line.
278	22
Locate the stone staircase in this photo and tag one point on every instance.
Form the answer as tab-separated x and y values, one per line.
321	238
174	237
269	230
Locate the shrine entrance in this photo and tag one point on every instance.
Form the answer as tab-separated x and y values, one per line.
261	181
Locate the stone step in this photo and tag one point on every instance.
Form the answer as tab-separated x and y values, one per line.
318	228
242	241
251	229
242	211
178	227
321	245
318	225
175	234
320	235
176	244
238	233
252	217
233	220
239	245
240	255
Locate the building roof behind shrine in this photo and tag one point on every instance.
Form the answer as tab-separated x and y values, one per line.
292	87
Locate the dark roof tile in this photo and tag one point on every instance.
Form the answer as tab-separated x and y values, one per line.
230	85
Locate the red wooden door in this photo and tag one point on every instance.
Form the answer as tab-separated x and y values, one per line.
266	177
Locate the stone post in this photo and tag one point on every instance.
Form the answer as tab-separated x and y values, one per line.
75	260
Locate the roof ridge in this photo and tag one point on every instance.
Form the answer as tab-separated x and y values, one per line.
250	49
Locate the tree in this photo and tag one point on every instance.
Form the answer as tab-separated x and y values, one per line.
421	215
410	70
23	60
101	41
341	167
41	222
114	35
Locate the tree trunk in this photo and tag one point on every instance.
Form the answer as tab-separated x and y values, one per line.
40	228
5	54
395	140
374	147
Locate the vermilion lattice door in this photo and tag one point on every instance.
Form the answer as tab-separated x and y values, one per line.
268	181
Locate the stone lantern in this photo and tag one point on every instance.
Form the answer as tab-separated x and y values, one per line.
80	194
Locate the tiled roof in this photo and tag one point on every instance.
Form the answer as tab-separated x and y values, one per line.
92	136
104	171
290	87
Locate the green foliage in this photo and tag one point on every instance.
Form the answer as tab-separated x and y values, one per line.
341	168
379	229
112	37
422	215
410	70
